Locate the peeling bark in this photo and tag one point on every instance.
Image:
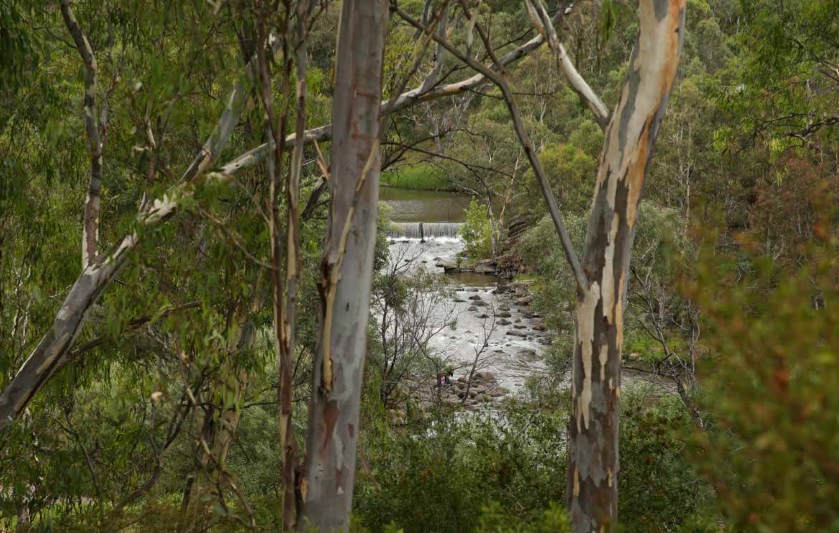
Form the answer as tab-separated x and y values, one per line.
630	137
347	269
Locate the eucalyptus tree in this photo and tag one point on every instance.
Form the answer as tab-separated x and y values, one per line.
602	276
324	485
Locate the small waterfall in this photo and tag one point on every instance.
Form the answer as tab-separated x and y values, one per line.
425	230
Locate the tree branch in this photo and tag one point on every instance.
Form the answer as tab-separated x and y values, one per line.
90	230
404	100
524	139
543	24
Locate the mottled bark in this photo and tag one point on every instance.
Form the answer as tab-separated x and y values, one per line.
630	137
90	227
347	269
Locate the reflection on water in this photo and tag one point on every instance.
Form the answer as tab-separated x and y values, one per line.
424	206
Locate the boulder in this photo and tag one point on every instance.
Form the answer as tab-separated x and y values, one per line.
485	376
504	322
503	314
516	333
447	265
485	266
475	297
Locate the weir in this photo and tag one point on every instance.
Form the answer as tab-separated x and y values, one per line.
425	230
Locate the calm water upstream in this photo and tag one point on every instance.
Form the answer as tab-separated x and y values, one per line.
424	206
515	347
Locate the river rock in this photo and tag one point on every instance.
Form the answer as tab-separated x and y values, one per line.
504	307
528	354
485	376
472	308
485	266
447	265
524	300
498	391
520	326
544	341
482	316
517	321
480	303
539	327
475	297
516	333
504	322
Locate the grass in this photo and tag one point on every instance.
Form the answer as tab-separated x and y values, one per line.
421	177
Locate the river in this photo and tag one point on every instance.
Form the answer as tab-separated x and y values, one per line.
425	231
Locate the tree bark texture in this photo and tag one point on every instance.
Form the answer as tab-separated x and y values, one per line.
346	269
630	136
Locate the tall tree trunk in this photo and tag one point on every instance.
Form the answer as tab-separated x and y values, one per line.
630	136
347	268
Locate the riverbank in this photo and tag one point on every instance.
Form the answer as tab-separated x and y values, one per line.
421	177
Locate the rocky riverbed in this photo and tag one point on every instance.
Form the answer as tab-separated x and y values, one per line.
496	332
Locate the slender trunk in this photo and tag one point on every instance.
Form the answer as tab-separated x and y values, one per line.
293	267
347	269
90	228
630	136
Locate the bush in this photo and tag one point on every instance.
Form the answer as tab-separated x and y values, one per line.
442	475
477	231
419	176
773	452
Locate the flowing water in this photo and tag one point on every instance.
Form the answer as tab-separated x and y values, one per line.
426	230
